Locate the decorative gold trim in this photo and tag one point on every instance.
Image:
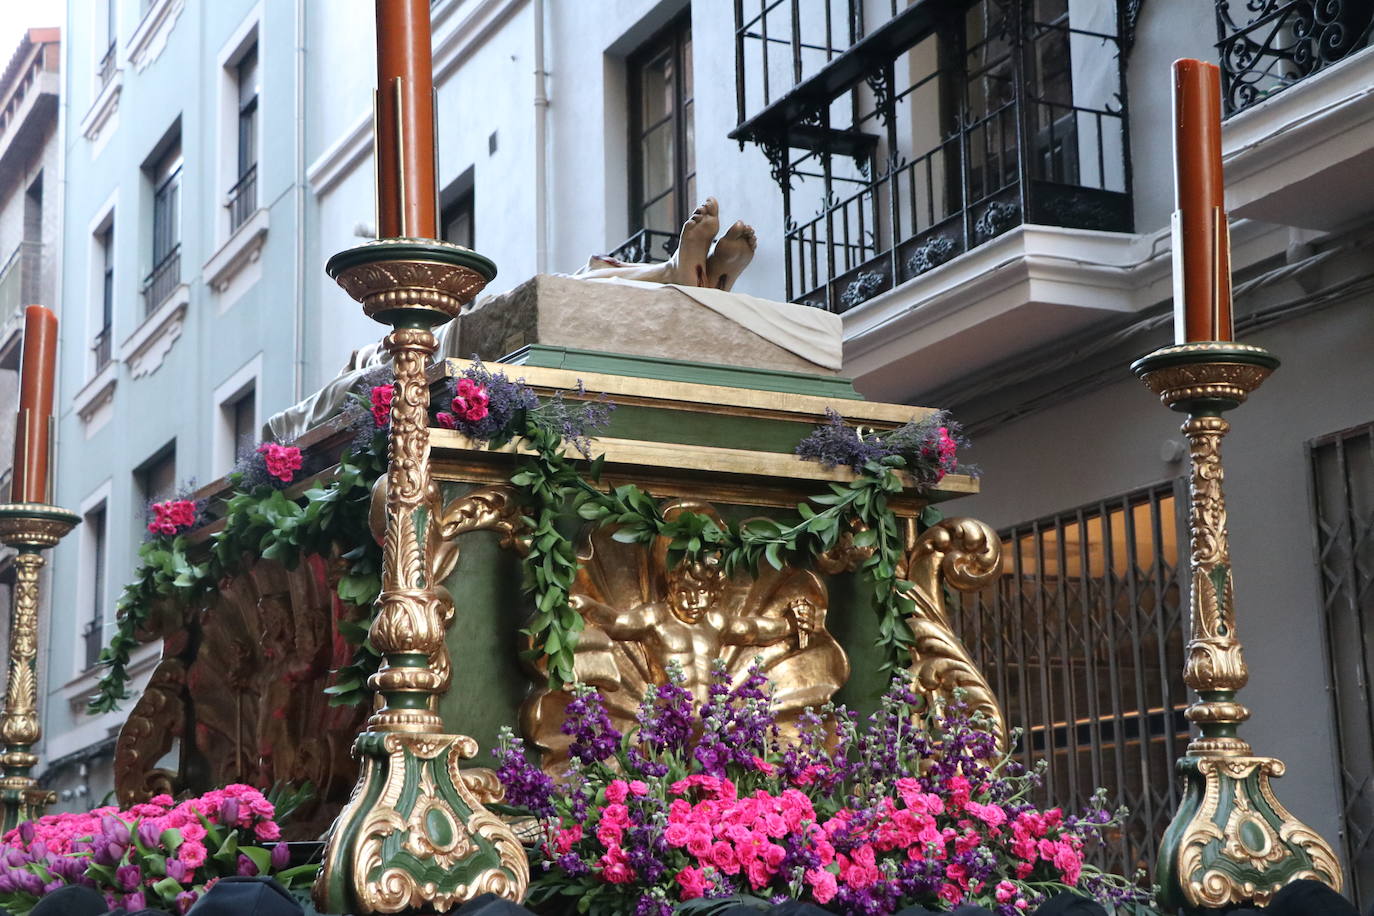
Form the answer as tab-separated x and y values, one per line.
702	398
411	283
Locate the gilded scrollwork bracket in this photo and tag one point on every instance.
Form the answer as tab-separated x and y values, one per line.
965	555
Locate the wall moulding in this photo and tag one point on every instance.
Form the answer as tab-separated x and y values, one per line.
148	40
145	349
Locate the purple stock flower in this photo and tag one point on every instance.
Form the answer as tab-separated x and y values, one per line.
525	784
594	738
281	856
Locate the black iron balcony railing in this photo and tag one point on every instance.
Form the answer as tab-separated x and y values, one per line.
243	198
164	278
105	70
647	246
102	347
1268	45
932	134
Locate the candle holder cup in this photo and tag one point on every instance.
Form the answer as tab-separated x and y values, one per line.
1230	841
30	528
415	833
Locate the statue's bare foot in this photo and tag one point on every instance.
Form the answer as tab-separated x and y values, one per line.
697	235
731	255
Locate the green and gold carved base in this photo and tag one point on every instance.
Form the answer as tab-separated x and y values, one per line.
1232	840
414	835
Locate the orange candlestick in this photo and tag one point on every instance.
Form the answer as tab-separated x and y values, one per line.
1202	246
407	196
36	383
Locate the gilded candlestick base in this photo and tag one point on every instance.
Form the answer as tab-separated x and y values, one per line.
1231	841
413	836
30	528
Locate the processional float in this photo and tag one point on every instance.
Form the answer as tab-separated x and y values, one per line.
416	833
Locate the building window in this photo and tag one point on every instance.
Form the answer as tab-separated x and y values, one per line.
662	142
1343	492
93	633
456	220
165	276
240	415
1082	638
930	135
243	196
105	68
157	477
103	342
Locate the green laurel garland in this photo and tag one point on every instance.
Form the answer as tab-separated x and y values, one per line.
263	522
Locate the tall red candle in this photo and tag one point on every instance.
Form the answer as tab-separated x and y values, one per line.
37	378
1202	247
407	197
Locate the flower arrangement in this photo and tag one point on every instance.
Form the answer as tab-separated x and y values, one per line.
915	807
928	446
281	461
157	854
173	516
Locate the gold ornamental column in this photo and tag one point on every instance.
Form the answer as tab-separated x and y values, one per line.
1230	841
414	835
30	528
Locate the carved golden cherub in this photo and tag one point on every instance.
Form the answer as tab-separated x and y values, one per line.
643	616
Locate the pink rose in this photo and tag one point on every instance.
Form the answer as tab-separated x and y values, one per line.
693	883
822	884
382	396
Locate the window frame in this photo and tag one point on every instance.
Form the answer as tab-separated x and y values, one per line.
675	38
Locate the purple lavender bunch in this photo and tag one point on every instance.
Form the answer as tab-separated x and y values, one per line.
501	402
928	446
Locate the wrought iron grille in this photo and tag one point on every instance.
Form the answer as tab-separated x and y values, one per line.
1343	491
1082	637
647	246
165	277
243	198
1268	45
936	131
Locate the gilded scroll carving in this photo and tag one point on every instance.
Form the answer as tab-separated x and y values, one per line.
966	555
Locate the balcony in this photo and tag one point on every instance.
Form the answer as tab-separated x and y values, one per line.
28	99
899	148
102	348
164	278
1267	46
647	246
105	70
20	278
243	198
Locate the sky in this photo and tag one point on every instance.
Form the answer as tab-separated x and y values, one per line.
18	15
